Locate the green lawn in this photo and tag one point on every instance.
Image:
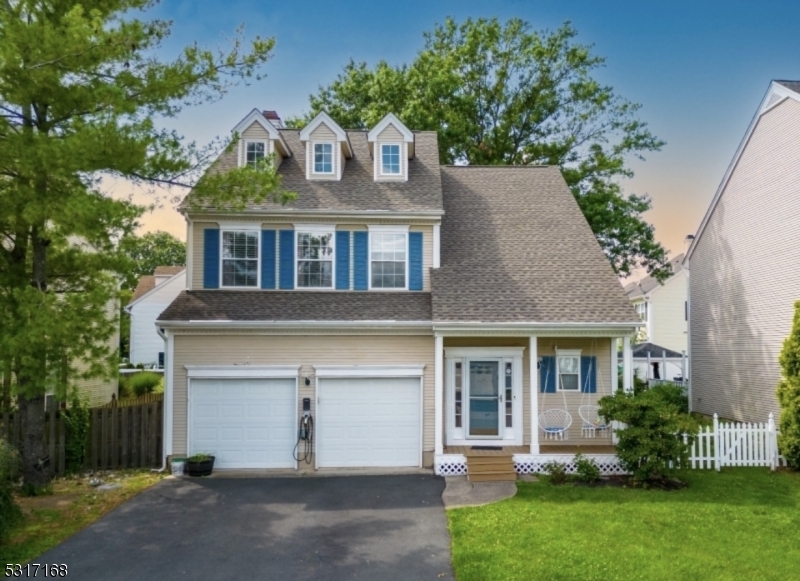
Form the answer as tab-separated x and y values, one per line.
740	524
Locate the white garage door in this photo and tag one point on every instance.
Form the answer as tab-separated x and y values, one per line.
369	422
245	423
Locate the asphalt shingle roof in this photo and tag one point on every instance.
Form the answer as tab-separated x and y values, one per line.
515	247
648	283
215	305
793	85
656	351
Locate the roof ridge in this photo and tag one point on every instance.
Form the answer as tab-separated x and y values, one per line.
480	166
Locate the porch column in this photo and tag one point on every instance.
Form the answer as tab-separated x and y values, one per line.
438	394
534	395
627	364
614	366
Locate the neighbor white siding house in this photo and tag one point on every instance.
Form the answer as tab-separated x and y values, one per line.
744	267
153	294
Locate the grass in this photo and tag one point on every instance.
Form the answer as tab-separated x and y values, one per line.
73	505
737	524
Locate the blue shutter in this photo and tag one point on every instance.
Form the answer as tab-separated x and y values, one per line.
360	257
211	258
547	375
268	259
589	374
161	360
415	261
287	259
342	260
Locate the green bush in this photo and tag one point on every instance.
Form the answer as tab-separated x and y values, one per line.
587	469
76	419
789	394
9	471
124	390
144	382
651	444
556	471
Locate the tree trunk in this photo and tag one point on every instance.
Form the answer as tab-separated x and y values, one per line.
35	461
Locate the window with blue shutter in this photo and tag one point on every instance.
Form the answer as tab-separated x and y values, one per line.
547	374
211	258
286	267
161	360
588	374
415	261
360	258
342	260
268	244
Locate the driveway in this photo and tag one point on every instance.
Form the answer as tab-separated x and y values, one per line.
316	528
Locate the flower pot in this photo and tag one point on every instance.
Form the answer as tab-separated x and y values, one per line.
201	468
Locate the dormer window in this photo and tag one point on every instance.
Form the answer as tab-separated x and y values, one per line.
255	153
323	158
390	159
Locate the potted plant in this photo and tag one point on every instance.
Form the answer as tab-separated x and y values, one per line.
200	464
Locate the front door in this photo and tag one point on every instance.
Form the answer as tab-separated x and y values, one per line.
485	399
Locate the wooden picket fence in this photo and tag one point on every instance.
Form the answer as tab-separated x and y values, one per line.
736	444
54	436
124	436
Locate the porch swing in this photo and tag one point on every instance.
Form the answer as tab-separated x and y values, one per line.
592	421
554	422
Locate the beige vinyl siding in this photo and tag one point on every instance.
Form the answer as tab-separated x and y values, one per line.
744	275
198	252
669	315
323	133
305	351
98	390
599	347
257	133
390	133
427	254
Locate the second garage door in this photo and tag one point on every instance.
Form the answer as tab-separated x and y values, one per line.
367	422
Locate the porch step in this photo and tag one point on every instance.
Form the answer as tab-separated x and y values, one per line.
490	468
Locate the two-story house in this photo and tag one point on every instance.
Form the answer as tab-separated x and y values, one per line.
415	310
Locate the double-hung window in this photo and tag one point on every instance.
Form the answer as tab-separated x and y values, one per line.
569	370
388	259
254	153
315	259
239	258
390	159
323	158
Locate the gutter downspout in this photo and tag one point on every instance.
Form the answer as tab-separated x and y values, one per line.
164	427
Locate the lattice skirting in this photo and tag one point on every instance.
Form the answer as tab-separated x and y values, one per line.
456	464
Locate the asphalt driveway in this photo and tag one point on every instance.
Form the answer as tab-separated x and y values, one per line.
326	528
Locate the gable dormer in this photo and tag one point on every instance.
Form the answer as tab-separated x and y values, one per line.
327	147
259	139
391	144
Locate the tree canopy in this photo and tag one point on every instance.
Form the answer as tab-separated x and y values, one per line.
149	251
81	89
504	94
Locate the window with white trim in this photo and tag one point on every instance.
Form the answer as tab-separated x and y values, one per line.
315	259
239	258
323	158
255	151
641	310
390	159
569	371
388	259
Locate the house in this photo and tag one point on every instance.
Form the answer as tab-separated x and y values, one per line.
651	361
742	267
153	294
413	310
663	307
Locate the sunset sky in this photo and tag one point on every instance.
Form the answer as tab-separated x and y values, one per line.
699	69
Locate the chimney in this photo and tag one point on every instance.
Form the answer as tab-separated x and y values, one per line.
272	117
687	242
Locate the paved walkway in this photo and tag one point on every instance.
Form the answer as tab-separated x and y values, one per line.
354	527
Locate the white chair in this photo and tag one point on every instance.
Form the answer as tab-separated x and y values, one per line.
592	421
555	423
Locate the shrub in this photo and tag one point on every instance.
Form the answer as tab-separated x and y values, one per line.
76	419
556	471
144	382
651	443
124	390
586	469
9	471
789	394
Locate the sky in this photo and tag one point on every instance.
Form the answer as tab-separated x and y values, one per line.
698	68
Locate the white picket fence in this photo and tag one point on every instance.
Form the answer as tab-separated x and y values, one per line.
736	444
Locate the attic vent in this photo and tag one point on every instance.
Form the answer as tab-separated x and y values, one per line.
774	98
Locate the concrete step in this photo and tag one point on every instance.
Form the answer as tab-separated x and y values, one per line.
492	476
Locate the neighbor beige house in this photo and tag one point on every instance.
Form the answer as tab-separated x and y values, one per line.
743	267
413	310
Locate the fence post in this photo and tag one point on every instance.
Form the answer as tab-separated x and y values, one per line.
717	447
772	443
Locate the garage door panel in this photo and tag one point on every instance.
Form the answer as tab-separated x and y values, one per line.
246	423
369	422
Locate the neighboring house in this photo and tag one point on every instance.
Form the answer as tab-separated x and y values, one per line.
743	267
663	308
153	294
413	308
652	361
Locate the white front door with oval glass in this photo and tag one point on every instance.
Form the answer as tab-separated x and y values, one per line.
484	396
